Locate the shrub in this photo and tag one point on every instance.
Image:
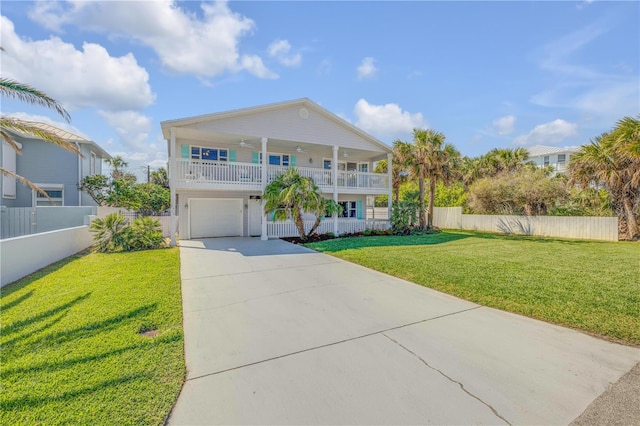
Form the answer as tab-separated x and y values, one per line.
115	233
111	233
146	234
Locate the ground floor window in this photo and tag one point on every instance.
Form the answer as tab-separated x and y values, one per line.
349	209
55	193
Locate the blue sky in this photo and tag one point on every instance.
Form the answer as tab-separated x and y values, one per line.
486	74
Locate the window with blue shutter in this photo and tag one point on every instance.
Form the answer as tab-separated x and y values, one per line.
184	151
359	209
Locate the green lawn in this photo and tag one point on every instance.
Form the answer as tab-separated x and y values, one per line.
71	349
590	286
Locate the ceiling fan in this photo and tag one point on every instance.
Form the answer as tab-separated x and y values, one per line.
299	149
244	144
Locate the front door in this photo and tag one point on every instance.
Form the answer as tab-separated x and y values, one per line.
255	218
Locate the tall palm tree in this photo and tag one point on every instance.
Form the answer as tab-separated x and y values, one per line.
13	89
398	172
610	160
428	157
290	196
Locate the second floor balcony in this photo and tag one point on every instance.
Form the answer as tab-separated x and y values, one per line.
224	175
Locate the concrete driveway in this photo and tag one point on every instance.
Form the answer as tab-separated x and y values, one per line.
279	334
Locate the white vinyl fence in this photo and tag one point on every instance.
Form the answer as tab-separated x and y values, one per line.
579	227
288	228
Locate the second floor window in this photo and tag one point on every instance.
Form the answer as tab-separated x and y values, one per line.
562	158
546	160
211	154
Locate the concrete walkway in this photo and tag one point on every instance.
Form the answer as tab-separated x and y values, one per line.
278	334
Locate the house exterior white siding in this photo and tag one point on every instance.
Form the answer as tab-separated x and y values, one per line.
235	154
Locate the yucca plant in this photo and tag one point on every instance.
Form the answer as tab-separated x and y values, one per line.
112	233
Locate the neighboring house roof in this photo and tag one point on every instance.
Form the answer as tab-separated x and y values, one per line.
302	102
540	150
64	134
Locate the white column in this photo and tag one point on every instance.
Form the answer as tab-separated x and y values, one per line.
334	177
263	168
172	185
390	178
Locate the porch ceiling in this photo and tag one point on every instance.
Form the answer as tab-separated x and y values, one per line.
276	145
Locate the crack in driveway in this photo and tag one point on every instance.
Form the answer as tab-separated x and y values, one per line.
334	343
448	378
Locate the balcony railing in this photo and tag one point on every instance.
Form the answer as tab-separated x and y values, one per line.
224	174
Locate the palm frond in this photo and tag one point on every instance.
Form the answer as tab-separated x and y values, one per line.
25	181
31	95
28	128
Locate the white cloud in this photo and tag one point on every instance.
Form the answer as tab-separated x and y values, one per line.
135	145
367	68
77	78
504	125
185	42
254	65
131	127
550	133
387	119
280	49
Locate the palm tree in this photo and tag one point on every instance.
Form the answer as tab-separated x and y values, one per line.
290	196
398	172
26	93
611	160
117	167
428	157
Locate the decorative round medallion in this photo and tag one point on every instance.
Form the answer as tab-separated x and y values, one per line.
303	113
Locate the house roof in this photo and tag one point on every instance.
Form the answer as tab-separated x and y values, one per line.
168	124
63	134
540	150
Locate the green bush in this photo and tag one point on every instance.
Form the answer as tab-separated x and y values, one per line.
115	233
146	234
111	233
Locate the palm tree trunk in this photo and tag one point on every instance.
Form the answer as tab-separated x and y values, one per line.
423	219
297	219
315	226
432	196
632	225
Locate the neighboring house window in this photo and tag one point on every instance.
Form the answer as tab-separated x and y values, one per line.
211	154
55	192
562	158
92	164
349	209
9	164
546	160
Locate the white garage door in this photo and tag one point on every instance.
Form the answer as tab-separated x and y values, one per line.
215	217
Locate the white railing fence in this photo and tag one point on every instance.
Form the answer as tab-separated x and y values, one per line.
194	172
288	228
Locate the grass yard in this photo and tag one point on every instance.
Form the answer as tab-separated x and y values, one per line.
586	285
71	351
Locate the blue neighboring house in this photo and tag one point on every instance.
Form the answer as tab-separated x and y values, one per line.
53	169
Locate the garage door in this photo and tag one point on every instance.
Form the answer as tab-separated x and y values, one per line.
215	217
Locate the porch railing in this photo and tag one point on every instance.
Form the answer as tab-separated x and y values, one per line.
193	173
288	228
